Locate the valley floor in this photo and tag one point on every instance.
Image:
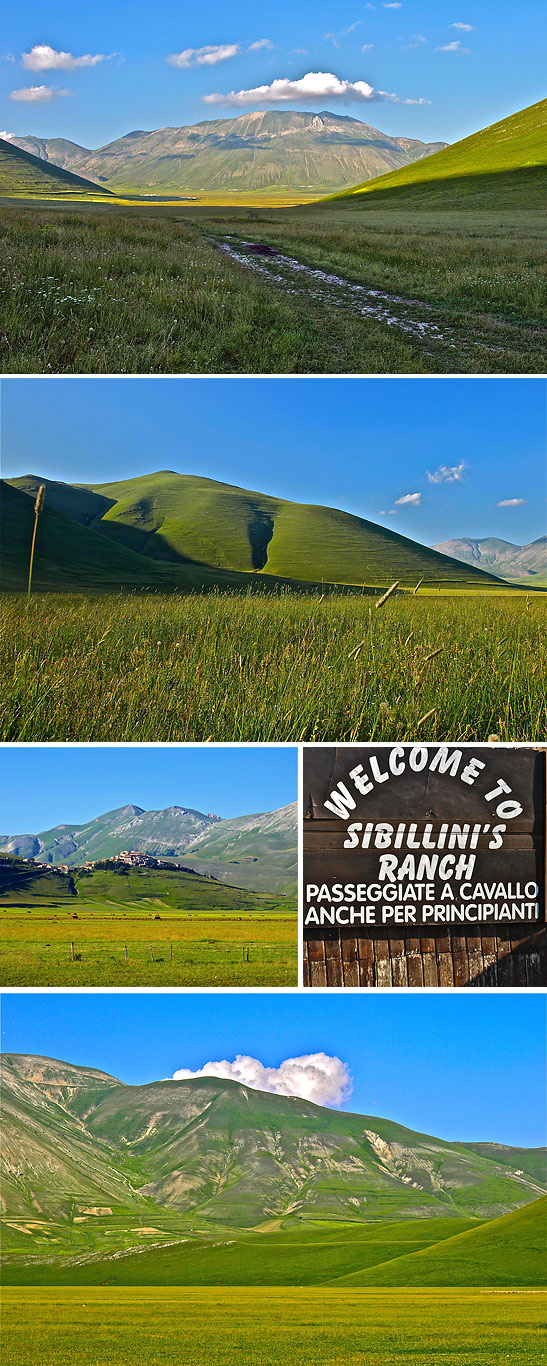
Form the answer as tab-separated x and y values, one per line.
153	289
145	946
229	667
103	1326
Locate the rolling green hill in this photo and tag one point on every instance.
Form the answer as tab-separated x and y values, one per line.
71	555
503	166
25	176
207	1181
257	851
511	1250
179	520
271	150
114	886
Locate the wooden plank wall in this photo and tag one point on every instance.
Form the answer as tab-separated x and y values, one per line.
515	957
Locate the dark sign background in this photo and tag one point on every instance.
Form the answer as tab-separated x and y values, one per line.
473	953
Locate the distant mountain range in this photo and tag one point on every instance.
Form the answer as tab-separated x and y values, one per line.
257	851
500	557
179	531
157	1169
279	150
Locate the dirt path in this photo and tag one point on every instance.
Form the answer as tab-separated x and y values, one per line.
411	316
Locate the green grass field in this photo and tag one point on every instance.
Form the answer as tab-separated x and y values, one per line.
180	951
141	928
300	1327
151	290
439	265
288	667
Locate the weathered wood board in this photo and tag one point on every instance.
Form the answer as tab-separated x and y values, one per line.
424	865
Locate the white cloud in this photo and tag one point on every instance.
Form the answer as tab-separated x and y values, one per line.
343	32
204	56
511	503
395	4
315	85
366	47
410	499
45	58
317	1077
38	94
447	474
417	41
464	28
261	43
7	136
454	47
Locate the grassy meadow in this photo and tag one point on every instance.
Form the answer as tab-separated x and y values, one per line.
141	927
144	946
151	289
103	1326
439	666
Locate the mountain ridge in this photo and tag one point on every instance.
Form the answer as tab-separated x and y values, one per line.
258	849
265	150
276	1150
503	557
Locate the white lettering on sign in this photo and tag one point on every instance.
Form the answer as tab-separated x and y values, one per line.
454	763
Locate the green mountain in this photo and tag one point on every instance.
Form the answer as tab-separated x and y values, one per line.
511	1250
279	150
174	523
504	165
25	176
500	557
257	851
209	1179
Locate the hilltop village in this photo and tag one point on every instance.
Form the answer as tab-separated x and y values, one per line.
130	858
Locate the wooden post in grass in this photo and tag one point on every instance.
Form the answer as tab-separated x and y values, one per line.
247	955
151	954
171	953
37	510
72	950
125	947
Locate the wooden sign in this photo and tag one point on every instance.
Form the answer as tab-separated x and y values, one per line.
436	840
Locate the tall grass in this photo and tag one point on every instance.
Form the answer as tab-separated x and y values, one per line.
145	290
242	667
37	510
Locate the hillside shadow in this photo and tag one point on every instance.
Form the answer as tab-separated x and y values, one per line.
524	188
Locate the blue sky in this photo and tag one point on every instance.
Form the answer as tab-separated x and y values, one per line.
357	444
496	67
460	1066
48	785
